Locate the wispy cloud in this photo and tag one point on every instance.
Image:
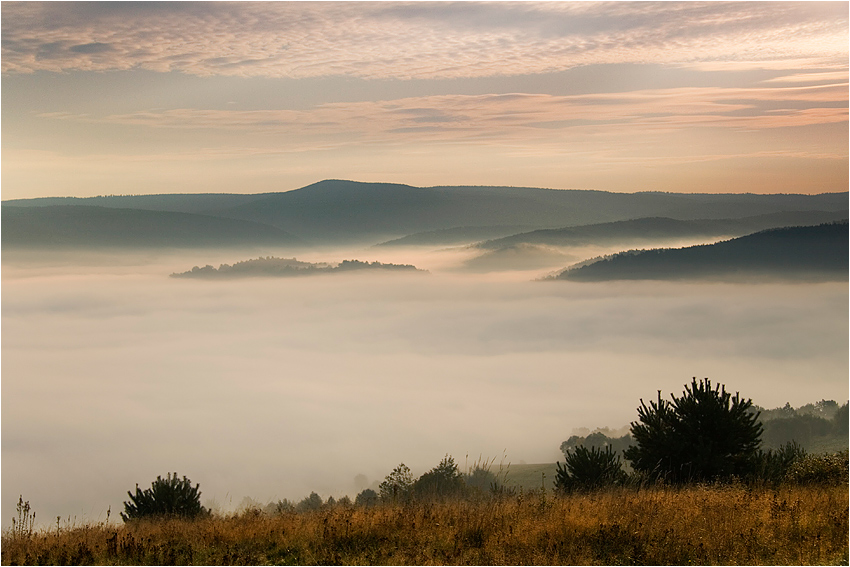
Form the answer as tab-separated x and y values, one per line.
416	40
514	116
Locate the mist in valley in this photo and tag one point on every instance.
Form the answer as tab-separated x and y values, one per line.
270	388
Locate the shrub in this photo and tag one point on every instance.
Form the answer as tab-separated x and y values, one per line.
707	434
772	465
586	469
280	507
366	498
480	479
171	496
820	469
442	481
310	503
841	421
397	484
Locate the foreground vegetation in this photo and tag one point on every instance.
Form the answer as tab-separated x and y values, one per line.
701	524
699	490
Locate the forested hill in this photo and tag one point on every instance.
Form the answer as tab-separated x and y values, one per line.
804	253
98	227
338	211
660	228
289	267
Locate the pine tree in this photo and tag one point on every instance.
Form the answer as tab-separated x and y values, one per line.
396	486
171	496
586	469
707	434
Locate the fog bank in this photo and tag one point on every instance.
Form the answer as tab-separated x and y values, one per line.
272	388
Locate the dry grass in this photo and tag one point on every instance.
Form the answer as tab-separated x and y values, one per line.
694	525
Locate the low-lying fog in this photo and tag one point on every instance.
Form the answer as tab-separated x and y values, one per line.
114	373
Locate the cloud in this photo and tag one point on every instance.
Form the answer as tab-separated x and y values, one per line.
94	47
518	116
416	40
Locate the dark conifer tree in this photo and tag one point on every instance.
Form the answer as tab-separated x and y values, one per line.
707	434
171	496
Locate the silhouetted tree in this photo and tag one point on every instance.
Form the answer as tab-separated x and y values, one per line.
772	466
396	485
367	497
704	435
586	469
480	479
171	496
444	480
840	420
310	503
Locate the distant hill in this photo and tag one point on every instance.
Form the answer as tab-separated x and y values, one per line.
655	229
338	211
345	210
452	236
72	226
286	267
518	257
804	253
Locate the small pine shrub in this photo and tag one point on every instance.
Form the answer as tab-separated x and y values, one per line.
396	486
310	503
772	466
587	469
367	498
171	496
820	469
443	481
706	434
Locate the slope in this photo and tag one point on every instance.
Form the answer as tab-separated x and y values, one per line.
797	253
661	228
85	226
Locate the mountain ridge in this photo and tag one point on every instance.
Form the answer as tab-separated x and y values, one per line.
339	211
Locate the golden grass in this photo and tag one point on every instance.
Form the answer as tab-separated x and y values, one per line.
694	525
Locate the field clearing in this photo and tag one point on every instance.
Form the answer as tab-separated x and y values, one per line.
529	477
705	525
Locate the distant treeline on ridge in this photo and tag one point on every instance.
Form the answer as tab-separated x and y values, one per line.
286	267
798	252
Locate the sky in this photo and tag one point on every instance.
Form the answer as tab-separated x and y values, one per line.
188	97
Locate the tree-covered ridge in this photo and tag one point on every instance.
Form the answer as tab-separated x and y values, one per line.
800	252
286	267
84	226
336	211
660	228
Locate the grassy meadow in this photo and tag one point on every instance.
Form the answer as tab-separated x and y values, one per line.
703	524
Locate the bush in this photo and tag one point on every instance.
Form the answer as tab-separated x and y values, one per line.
773	465
587	469
442	481
366	498
397	484
820	469
171	496
841	420
480	480
707	434
310	503
279	508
